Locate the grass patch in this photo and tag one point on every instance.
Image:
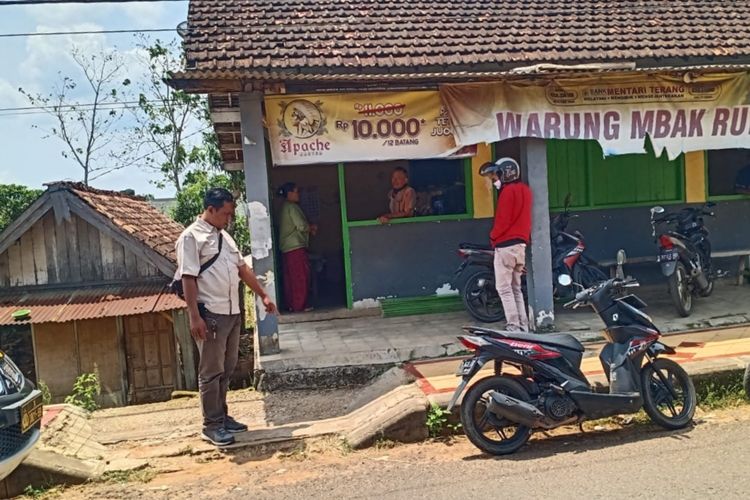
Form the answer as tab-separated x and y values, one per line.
48	491
721	391
144	475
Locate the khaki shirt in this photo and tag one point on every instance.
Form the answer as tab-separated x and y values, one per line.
218	286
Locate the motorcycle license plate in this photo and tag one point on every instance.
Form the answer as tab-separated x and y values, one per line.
668	257
31	413
465	367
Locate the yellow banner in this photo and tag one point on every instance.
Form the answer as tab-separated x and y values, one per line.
679	114
372	126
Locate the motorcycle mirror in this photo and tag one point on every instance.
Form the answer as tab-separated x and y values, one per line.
621	257
657	210
564	280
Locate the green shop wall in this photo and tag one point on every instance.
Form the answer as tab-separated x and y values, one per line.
595	182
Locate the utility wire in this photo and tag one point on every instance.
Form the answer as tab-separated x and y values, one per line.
64	2
92	32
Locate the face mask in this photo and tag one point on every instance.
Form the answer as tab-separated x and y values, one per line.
498	183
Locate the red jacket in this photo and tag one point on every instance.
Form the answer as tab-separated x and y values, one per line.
513	215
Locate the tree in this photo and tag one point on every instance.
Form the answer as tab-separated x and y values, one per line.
87	128
190	201
167	119
14	199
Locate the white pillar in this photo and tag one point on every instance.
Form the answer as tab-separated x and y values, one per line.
259	215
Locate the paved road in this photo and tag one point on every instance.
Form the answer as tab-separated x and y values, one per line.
709	461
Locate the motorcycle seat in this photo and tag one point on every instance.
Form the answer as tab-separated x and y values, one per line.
564	340
474	246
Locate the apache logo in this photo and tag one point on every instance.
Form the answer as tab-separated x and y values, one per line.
302	119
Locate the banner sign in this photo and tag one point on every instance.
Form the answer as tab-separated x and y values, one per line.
709	112
371	126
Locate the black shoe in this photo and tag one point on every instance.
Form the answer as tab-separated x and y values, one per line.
234	427
218	437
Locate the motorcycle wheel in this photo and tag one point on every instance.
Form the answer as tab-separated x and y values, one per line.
588	275
481	299
679	290
668	394
486	431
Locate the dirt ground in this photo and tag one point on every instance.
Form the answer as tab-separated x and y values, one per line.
261	475
181	418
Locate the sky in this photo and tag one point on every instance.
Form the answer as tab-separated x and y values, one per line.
35	63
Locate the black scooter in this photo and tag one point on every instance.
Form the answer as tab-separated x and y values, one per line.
684	254
538	383
479	293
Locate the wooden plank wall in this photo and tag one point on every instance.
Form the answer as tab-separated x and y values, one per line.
57	357
72	252
66	350
99	353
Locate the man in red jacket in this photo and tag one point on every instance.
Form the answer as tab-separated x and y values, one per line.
509	236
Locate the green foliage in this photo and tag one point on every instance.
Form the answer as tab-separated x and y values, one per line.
46	394
190	202
437	421
167	119
721	391
47	490
14	199
85	391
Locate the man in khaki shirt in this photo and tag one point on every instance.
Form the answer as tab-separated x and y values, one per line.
213	302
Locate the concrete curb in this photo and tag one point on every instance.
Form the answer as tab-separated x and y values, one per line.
44	468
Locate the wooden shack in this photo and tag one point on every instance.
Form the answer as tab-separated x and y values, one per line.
92	269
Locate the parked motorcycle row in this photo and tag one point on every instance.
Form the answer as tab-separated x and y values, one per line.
684	253
479	293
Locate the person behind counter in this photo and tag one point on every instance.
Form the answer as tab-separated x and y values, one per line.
294	238
402	198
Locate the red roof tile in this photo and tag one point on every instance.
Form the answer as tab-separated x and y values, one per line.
258	37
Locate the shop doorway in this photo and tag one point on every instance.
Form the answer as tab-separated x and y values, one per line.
320	201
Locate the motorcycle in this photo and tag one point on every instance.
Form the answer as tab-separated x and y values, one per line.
538	383
568	257
479	293
684	254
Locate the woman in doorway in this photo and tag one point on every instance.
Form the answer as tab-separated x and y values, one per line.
294	238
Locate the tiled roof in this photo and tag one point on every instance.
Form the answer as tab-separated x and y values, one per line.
246	38
61	306
132	214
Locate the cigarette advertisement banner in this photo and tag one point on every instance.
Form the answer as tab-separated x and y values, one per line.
678	114
370	126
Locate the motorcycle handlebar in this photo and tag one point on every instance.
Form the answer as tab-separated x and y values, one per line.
585	295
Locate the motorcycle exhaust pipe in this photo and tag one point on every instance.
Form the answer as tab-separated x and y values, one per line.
701	279
515	410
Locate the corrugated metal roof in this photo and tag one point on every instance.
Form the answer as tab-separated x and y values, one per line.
63	305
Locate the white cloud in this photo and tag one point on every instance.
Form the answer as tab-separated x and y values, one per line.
9	96
46	55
